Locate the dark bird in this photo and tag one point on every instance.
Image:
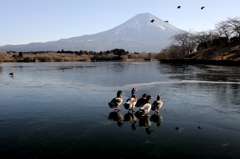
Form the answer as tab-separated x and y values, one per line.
178	7
199	127
131	102
141	101
176	128
166	21
202	7
11	74
116	102
152	21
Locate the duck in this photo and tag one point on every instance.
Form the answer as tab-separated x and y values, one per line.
146	107
131	102
117	101
157	104
141	101
11	73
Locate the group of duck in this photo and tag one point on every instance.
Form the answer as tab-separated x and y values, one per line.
143	103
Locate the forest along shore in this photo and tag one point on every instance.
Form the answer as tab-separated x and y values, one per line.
73	56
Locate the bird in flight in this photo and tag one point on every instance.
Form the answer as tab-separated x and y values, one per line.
152	20
166	21
202	7
178	7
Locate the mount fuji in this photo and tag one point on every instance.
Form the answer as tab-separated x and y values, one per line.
137	34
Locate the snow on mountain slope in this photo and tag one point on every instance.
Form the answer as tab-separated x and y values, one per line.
137	34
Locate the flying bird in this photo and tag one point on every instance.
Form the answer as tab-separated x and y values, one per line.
202	7
178	7
11	74
152	20
199	127
166	21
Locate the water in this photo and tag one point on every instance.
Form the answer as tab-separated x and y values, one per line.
59	110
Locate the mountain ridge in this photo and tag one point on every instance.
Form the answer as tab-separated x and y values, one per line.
137	34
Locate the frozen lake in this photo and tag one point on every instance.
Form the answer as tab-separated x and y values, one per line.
59	110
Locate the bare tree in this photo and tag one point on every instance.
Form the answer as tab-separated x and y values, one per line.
224	29
234	25
186	42
171	52
203	39
205	36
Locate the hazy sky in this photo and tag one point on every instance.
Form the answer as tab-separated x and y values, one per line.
25	21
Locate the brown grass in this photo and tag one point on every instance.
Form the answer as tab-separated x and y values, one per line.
42	57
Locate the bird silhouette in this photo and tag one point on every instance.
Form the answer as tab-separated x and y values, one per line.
11	74
166	21
178	7
152	21
141	101
176	128
199	127
202	7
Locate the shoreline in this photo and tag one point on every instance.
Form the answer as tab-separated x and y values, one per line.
207	62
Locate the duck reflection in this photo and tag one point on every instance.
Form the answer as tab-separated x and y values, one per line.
116	116
156	118
144	122
131	118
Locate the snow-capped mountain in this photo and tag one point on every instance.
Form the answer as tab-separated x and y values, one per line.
137	34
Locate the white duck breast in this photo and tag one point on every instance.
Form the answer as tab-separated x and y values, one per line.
146	107
130	103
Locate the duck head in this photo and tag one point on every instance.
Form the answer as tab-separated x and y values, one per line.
144	95
134	90
119	93
149	97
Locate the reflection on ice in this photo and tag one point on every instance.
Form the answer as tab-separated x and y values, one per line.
132	119
117	117
145	123
156	118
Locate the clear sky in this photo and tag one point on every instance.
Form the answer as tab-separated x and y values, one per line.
26	21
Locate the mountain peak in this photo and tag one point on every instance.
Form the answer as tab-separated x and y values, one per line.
138	34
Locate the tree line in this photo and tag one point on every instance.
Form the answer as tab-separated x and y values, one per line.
225	34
